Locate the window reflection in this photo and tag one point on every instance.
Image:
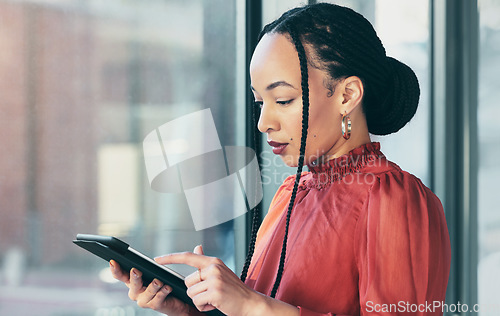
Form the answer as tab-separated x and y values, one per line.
82	84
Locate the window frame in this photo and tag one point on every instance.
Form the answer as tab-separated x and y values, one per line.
454	136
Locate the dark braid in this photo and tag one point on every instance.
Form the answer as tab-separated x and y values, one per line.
305	123
343	43
251	247
255	224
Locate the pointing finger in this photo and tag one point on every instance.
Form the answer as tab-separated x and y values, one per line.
192	259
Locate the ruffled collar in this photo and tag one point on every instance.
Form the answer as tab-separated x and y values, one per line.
336	169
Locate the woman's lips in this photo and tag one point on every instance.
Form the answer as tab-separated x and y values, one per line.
277	147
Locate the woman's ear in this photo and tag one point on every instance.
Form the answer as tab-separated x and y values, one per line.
352	93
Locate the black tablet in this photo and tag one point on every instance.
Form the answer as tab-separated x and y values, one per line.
108	248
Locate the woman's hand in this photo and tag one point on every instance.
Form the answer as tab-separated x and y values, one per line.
214	285
154	296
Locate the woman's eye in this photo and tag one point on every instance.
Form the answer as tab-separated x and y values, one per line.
285	102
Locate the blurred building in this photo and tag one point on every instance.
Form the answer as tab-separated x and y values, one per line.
48	124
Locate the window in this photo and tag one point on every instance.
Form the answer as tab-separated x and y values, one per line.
82	84
489	149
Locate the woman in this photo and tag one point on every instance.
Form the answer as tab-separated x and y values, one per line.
364	236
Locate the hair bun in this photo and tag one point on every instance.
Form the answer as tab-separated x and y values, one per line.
401	102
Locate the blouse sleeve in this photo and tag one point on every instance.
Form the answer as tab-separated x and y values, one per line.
403	248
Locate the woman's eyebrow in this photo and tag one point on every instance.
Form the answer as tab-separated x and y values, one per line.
277	84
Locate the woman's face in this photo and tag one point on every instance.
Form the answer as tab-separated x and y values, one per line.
276	85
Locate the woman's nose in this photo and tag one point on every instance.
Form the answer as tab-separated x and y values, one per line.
267	120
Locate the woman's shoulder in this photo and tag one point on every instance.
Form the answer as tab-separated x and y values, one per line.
398	193
390	178
392	175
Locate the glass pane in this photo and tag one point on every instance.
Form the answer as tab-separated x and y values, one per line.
82	84
489	149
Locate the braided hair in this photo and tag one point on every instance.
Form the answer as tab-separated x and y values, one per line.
342	43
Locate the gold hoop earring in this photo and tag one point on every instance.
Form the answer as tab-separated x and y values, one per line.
346	126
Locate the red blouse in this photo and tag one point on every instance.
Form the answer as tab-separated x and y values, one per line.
365	238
